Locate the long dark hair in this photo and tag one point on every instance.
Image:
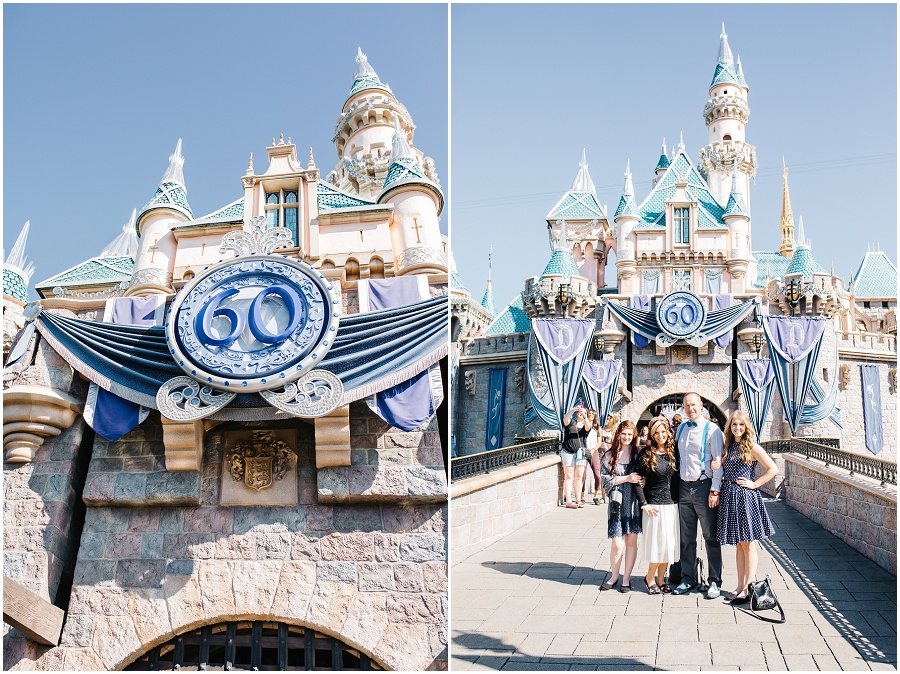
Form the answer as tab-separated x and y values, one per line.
616	448
648	456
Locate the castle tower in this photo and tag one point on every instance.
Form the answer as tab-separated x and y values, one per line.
726	114
626	219
541	295
418	202
364	131
737	218
156	252
663	162
17	271
787	218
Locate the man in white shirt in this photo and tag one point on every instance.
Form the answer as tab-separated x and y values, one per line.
699	442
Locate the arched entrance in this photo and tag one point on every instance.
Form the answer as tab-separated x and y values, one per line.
672	402
256	645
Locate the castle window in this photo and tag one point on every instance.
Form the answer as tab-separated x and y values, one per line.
681	280
273	212
290	214
682	225
727	136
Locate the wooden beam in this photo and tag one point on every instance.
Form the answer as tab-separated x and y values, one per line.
31	614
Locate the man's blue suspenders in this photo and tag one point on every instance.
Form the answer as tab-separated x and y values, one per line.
702	445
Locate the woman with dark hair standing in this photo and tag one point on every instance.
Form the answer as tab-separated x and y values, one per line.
573	455
624	525
644	437
657	464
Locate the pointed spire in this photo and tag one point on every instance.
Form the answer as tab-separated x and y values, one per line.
664	161
583	182
627	205
250	165
175	172
681	142
362	65
740	73
629	187
488	300
16	258
311	162
802	241
400	143
126	244
787	216
736	205
725	56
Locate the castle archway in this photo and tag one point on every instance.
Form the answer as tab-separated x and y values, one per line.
257	645
670	404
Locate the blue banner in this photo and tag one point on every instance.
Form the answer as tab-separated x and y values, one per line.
563	345
722	302
871	392
794	345
493	438
756	385
641	302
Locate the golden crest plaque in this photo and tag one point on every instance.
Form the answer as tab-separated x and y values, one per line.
259	461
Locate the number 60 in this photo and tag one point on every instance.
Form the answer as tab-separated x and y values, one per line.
212	310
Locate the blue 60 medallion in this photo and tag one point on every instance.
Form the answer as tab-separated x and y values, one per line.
253	323
680	314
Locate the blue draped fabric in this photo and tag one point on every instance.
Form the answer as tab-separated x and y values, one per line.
601	378
871	393
541	405
371	351
722	302
639	339
757	376
824	403
496	403
717	323
794	345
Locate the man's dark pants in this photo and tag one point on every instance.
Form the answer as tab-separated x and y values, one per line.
693	505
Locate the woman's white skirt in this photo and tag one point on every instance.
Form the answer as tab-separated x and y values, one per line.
660	536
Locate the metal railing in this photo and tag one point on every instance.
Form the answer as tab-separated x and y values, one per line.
477	464
856	464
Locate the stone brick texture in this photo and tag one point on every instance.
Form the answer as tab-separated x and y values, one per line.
373	574
485	516
855	509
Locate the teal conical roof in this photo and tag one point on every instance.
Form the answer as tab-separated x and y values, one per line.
171	192
627	205
365	77
488	300
804	263
736	205
561	264
725	67
663	162
876	277
17	270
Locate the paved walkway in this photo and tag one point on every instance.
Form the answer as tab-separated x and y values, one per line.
530	601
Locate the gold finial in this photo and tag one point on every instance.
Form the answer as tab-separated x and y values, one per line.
787	216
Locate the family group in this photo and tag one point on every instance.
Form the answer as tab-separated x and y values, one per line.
663	484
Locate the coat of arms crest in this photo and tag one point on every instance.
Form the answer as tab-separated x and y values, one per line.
259	461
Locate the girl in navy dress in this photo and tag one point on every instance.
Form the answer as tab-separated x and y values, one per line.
624	524
742	514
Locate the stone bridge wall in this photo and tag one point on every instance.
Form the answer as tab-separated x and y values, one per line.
855	509
488	507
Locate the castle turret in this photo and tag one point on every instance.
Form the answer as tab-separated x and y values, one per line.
17	271
787	217
560	280
156	252
364	131
737	218
626	219
488	300
726	114
418	202
663	162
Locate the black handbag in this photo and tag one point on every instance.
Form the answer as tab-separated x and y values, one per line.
762	598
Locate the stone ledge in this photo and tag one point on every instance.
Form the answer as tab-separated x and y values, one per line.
868	485
31	414
478	482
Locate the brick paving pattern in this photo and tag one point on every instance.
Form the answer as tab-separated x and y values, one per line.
530	602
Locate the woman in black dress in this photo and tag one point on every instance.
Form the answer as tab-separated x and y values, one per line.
624	522
742	514
574	453
659	505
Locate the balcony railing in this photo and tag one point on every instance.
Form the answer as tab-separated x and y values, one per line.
485	462
856	464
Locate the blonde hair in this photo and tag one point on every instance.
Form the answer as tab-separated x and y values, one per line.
747	439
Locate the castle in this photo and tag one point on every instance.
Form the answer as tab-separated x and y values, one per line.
288	523
691	232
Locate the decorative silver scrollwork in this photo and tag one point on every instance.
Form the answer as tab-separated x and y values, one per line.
665	341
260	240
697	340
315	394
186	399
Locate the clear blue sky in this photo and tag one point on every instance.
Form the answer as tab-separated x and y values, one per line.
96	96
533	84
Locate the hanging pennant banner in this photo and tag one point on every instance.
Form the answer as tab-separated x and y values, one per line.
602	379
496	403
641	302
794	345
871	391
756	385
538	390
563	347
563	338
722	302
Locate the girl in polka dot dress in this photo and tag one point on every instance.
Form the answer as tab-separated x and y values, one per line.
742	514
